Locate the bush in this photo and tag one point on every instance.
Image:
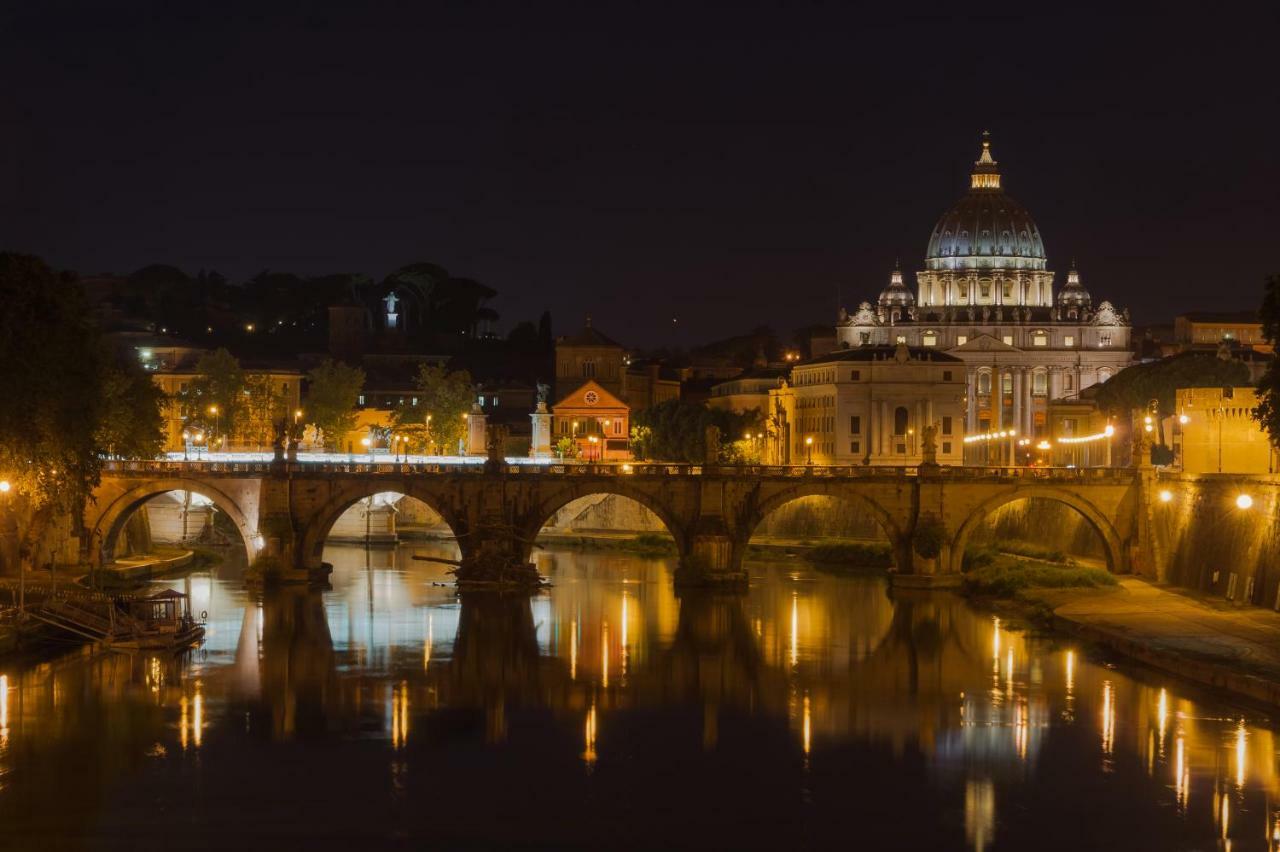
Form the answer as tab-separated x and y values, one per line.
1031	550
1006	577
852	554
929	536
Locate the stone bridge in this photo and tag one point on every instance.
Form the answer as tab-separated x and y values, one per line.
286	509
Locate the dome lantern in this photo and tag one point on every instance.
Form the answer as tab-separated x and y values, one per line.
985	174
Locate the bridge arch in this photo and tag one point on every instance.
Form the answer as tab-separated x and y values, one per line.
1096	518
546	508
105	529
322	520
841	491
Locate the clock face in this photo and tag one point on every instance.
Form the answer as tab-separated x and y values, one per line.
591	397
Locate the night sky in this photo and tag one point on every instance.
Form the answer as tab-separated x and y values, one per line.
732	165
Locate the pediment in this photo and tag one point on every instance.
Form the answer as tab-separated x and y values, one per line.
590	395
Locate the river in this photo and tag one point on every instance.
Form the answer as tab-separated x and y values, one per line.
816	711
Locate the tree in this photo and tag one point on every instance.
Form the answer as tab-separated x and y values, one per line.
332	393
132	421
50	384
216	396
1268	410
264	408
676	430
438	419
1135	387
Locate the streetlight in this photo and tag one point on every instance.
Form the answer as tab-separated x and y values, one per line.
5	486
217	418
427	437
595	448
368	445
186	445
1166	495
1244	501
808	446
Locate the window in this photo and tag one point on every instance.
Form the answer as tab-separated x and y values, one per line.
962	340
284	388
984	383
1039	383
946	425
855	425
413	401
930	339
360	399
1105	373
1068	382
1069	340
588	369
864	337
855	376
1040	339
1006	383
946	446
617	426
1104	340
985	289
855	447
1008	339
946	375
902	338
900	418
1008	290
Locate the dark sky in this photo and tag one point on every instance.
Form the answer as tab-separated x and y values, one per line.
732	165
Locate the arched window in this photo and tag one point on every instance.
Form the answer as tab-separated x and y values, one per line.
1039	383
900	421
984	382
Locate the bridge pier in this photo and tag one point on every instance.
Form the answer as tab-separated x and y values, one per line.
711	556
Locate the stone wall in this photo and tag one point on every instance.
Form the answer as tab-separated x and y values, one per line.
1041	521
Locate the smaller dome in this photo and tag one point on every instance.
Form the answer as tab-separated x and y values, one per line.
896	294
1074	294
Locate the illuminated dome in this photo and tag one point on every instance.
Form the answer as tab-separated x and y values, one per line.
1074	294
896	294
986	229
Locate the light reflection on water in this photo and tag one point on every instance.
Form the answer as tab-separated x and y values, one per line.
814	707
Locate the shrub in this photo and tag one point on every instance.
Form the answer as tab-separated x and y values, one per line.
1031	550
1006	577
852	554
929	536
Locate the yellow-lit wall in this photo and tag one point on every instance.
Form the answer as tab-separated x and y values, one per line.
1220	435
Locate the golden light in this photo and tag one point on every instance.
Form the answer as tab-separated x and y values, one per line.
1166	495
809	441
1184	419
1043	445
365	441
213	409
1109	431
4	486
1244	501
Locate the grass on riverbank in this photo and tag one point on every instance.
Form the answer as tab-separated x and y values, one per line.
851	555
980	556
1006	576
643	544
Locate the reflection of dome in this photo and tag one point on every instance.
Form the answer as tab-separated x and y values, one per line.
986	229
896	294
1074	294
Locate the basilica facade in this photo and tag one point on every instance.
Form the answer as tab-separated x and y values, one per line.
987	297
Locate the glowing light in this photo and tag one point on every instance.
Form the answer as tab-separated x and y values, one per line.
573	650
589	754
400	714
625	631
1162	715
1184	419
426	643
1071	670
197	717
4	486
1085	439
1166	495
604	654
1241	755
1244	501
795	629
1108	716
807	726
1181	775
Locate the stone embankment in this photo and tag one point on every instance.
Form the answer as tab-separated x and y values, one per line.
1212	642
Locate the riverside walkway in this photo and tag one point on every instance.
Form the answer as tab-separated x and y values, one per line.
1203	639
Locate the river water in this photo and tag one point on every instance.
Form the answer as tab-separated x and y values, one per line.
816	712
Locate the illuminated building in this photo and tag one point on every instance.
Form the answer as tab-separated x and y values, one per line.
1218	434
986	296
868	405
598	423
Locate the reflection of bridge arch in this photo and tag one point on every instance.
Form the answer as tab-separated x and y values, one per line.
352	491
105	530
1096	518
547	507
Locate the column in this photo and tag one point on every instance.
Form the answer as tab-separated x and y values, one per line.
971	400
1028	404
1016	422
997	400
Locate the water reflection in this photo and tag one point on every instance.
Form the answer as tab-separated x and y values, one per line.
826	704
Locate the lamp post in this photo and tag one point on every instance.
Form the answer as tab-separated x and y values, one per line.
217	419
5	488
808	449
604	432
186	445
428	435
595	446
368	445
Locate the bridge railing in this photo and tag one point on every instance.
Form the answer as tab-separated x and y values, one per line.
632	469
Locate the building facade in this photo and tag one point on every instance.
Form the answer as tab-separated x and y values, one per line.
871	405
986	296
595	421
1218	433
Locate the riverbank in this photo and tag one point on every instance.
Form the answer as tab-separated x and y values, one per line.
1211	642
